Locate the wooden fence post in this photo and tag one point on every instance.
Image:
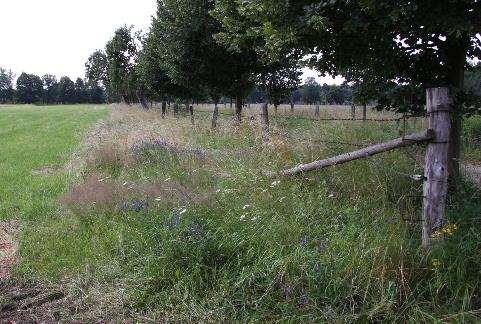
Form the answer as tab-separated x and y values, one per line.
439	107
353	111
191	112
265	121
317	112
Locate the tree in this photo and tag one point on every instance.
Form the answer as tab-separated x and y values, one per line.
66	91
50	89
279	81
80	91
121	53
29	88
95	94
6	86
311	91
193	59
407	44
96	69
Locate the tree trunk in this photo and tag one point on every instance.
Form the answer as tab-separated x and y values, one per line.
276	106
238	109
364	112
215	115
142	100
456	53
265	121
164	109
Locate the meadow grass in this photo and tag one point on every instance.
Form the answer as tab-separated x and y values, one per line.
176	222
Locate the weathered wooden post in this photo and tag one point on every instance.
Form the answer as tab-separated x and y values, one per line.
191	112
317	111
364	112
439	108
164	109
215	115
265	120
353	111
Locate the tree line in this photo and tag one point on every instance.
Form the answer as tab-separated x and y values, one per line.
33	89
389	51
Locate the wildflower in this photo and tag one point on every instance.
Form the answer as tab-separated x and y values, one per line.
450	229
166	180
158	199
265	190
246	206
243	217
183	211
282	199
254	219
435	264
275	183
331	196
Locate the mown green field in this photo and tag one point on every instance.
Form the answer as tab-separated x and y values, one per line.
33	142
161	220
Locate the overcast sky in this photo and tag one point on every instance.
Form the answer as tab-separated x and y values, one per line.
57	36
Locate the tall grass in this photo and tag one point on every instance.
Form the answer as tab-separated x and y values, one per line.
197	233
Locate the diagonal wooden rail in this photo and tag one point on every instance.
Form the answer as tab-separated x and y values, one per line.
407	140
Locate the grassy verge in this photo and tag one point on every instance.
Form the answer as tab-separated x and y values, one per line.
176	222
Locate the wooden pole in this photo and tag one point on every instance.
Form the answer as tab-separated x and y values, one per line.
353	112
439	107
317	111
215	115
265	121
364	112
363	153
191	112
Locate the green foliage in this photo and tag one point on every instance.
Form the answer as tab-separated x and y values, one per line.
66	91
184	33
96	69
6	86
378	43
50	89
29	88
121	53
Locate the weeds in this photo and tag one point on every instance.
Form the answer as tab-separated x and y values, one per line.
178	220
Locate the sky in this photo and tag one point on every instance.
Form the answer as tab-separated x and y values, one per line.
58	36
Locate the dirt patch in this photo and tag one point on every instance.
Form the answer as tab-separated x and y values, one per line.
101	190
8	247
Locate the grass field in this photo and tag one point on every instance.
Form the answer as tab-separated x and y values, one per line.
154	219
35	141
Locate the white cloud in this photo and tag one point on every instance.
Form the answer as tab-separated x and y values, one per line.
57	36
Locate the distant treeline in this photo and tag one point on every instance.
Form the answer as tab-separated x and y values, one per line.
33	89
311	92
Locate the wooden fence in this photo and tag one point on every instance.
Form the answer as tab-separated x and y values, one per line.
437	135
